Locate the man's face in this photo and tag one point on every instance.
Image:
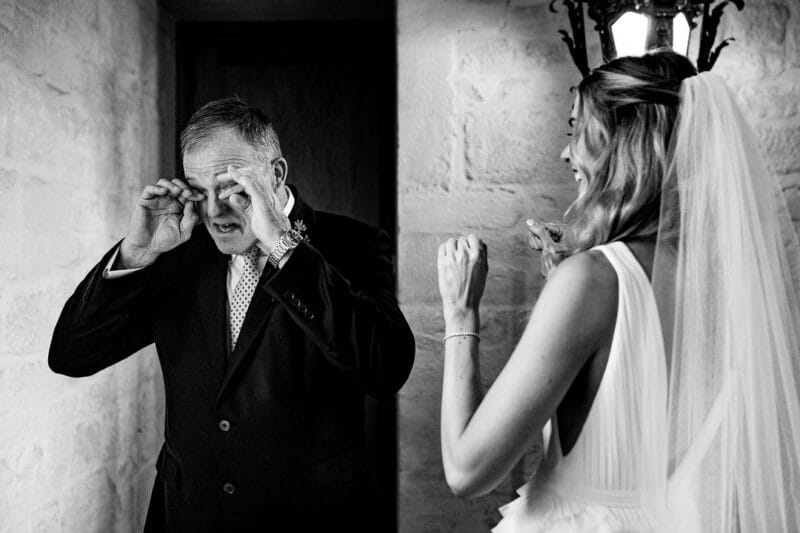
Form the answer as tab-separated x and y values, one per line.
229	228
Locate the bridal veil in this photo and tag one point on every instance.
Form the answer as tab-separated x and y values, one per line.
727	281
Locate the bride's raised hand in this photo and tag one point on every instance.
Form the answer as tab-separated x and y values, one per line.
462	265
545	237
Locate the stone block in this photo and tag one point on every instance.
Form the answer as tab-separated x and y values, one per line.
782	145
79	124
793	44
462	211
28	473
427	132
59	449
450	16
507	283
760	24
741	65
47	517
507	146
417	275
25	318
512	56
46	212
93	504
41	129
791	191
10	218
6	495
770	102
423	489
501	329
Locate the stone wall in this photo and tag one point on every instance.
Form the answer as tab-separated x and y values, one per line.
86	118
483	107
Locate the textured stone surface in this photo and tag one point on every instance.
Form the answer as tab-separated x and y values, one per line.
83	122
483	105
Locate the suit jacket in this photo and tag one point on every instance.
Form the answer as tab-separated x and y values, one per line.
270	436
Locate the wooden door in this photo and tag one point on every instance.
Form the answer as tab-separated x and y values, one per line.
330	89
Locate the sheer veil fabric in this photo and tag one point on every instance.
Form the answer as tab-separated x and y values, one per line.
727	281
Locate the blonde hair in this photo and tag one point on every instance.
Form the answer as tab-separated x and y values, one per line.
626	113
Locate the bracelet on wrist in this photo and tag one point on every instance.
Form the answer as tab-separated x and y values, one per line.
462	334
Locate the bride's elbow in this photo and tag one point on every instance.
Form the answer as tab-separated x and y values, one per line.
464	484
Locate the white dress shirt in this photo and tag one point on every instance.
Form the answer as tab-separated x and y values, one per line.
235	264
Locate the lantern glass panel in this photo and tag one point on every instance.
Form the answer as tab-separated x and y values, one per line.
630	34
680	34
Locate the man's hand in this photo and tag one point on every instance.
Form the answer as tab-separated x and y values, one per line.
162	219
254	196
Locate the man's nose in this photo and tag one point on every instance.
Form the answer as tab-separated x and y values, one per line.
214	206
565	154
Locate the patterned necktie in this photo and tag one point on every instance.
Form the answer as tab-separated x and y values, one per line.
243	293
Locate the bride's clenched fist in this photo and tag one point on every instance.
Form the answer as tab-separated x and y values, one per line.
462	265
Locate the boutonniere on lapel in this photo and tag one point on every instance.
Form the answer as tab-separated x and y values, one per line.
300	227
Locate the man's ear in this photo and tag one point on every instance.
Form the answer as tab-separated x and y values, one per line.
281	170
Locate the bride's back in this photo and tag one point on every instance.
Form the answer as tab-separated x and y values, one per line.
613	472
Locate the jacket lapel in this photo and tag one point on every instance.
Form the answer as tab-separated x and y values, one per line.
262	304
212	298
302	216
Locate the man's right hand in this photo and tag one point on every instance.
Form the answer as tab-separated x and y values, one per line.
162	219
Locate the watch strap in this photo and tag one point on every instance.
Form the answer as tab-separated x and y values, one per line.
288	241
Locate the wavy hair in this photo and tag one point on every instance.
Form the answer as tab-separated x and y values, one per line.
626	112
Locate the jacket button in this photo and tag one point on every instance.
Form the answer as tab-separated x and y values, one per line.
289	295
311	316
224	425
228	488
303	309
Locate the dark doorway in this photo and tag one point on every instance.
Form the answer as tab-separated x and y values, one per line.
330	88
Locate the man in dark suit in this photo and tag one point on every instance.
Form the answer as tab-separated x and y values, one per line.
271	322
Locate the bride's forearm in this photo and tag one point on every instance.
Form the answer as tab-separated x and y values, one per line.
461	395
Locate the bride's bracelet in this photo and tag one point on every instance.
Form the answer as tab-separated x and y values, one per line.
462	334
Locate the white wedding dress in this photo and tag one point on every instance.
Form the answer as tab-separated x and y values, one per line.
713	445
613	478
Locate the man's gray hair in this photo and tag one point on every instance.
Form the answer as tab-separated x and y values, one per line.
249	122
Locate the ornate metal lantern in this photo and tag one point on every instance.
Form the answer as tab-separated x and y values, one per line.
631	27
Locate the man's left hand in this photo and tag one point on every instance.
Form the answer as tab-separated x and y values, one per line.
254	196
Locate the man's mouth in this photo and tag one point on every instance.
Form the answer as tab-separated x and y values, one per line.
226	228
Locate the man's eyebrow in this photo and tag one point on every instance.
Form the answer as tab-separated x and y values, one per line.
192	182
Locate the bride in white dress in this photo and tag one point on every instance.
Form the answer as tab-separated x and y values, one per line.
662	356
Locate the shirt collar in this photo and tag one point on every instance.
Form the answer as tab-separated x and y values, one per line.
289	202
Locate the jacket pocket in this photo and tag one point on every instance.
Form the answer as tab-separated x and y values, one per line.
340	469
167	468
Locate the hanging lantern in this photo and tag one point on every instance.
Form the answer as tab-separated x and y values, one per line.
632	27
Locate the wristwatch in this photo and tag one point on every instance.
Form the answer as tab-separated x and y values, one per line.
288	241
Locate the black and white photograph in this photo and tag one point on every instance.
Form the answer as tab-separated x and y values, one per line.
401	266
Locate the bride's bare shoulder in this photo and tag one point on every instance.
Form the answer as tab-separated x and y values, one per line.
590	268
587	281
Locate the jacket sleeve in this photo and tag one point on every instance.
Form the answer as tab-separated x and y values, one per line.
103	322
355	322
